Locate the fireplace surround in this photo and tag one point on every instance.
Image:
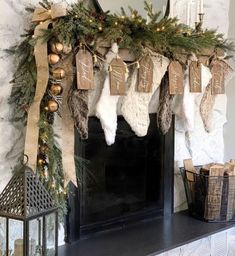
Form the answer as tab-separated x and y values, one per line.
122	184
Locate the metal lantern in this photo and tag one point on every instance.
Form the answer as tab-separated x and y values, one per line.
28	217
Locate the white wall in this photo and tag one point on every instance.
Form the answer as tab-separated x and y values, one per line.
229	129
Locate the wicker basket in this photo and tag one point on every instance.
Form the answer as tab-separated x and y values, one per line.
210	198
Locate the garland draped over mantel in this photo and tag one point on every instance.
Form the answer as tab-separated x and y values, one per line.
57	60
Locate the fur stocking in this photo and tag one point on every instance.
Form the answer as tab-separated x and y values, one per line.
106	109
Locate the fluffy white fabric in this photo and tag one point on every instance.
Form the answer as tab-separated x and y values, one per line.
188	104
184	107
106	109
135	106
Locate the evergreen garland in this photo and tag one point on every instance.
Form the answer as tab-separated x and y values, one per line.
24	78
165	36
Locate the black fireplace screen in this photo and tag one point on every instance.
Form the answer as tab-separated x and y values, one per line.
121	180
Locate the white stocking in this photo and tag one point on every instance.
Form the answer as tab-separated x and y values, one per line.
135	106
188	104
106	109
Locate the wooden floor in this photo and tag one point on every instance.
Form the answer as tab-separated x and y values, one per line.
145	238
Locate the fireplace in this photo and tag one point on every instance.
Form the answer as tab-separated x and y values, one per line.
125	183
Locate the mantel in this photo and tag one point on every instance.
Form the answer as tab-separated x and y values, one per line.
146	238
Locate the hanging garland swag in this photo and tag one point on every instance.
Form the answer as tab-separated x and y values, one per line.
56	70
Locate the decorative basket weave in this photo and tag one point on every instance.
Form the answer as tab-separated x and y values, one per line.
210	198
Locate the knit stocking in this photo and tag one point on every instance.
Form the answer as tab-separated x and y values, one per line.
164	112
135	106
78	106
208	100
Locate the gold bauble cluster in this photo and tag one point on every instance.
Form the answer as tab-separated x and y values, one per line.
57	49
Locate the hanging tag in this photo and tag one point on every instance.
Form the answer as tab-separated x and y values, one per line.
218	79
145	76
175	78
195	77
84	64
117	77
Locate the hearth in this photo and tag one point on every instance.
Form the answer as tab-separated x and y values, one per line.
127	182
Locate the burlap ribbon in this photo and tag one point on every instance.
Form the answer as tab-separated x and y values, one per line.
32	130
45	17
67	146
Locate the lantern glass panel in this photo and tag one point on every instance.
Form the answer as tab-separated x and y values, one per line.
51	234
16	238
2	236
35	237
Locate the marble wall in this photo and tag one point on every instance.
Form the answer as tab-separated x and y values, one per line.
204	147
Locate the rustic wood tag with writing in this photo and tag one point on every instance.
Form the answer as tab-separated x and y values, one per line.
195	77
175	78
117	77
145	76
85	76
218	78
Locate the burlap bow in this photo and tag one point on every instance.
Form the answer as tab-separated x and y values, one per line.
56	11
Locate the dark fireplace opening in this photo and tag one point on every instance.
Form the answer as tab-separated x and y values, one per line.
130	181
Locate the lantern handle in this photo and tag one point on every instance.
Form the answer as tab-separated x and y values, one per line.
25	159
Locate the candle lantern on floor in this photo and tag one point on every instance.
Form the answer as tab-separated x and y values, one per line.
28	217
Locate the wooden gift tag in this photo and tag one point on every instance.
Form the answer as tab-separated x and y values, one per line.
84	64
175	78
218	78
145	76
195	77
117	77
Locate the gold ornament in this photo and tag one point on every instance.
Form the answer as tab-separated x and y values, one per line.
52	106
67	49
56	89
100	28
58	73
53	58
57	47
41	161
